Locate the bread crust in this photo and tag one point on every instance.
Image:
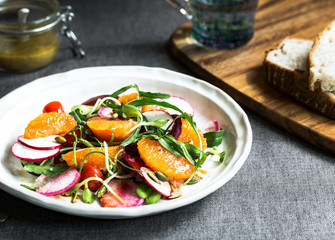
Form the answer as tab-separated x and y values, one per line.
296	83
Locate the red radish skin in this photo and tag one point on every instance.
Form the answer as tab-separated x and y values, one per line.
181	103
211	126
163	188
45	143
126	189
22	152
60	183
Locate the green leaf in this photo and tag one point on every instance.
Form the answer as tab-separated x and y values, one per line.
193	150
154	95
181	148
131	138
167	144
149	101
122	90
131	111
46	170
214	138
78	116
158	123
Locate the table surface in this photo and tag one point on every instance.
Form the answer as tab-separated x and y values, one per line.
284	190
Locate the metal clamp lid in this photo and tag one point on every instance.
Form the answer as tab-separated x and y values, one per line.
66	17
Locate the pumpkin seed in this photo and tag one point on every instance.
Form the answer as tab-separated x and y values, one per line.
194	180
102	191
153	177
161	176
60	139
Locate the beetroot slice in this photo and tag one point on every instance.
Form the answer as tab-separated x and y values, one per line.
59	184
92	101
176	128
134	161
126	189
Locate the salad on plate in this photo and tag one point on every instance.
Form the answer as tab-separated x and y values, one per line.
124	149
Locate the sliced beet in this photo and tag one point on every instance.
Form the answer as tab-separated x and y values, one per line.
125	189
134	161
176	128
92	101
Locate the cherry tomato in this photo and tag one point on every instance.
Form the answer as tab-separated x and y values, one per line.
92	171
54	106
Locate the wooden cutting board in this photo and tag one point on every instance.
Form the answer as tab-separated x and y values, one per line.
239	71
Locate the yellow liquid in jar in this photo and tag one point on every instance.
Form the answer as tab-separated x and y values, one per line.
27	53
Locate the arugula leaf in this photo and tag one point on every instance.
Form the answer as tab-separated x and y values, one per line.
149	101
154	95
167	144
122	90
131	138
214	138
46	170
78	116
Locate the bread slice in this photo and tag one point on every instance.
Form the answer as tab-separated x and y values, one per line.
322	60
286	68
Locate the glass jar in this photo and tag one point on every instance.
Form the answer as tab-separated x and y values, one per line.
30	31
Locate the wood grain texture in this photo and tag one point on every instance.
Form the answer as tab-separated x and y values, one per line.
239	71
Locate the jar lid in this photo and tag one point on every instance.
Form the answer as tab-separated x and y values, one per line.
28	16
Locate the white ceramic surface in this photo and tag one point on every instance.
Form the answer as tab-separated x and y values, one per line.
73	87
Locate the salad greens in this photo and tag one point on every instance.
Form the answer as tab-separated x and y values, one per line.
155	130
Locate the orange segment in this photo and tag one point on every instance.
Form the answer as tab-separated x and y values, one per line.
156	157
95	159
103	128
126	98
189	135
47	124
132	96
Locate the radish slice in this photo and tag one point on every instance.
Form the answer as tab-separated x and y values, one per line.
126	189
154	115
211	126
32	155
105	112
163	188
61	183
44	143
181	103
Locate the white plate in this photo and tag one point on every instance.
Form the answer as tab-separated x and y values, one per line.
73	87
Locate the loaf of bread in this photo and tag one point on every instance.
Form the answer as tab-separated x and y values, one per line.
322	60
287	68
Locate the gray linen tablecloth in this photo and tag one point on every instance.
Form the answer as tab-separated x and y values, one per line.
285	189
